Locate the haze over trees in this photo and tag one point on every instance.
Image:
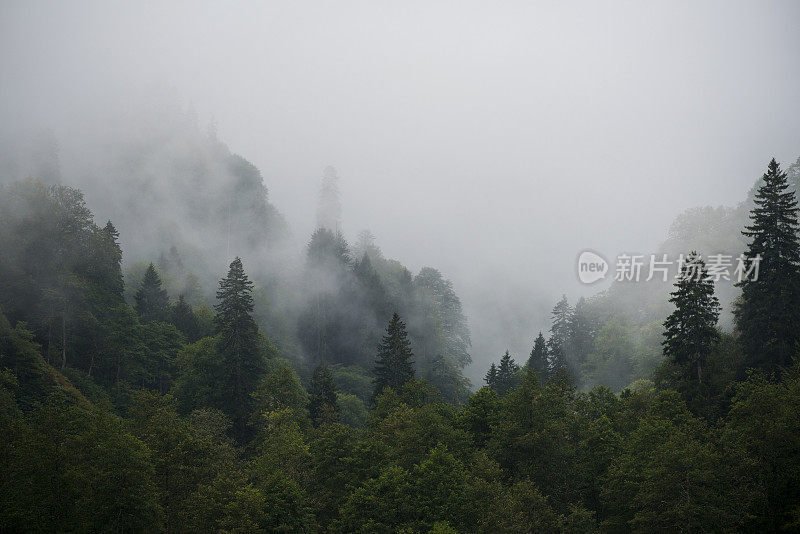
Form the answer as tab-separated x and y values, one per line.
345	408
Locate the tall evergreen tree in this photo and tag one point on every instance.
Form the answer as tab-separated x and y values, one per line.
394	366
491	377
582	330
151	299
690	330
538	360
562	319
559	336
185	320
506	374
768	314
323	407
115	257
238	344
556	358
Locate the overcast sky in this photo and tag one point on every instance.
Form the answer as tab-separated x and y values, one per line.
493	140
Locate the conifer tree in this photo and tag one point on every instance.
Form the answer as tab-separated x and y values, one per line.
151	299
184	319
238	344
690	330
537	362
506	374
491	377
394	366
559	342
582	330
323	407
562	319
768	314
557	359
112	236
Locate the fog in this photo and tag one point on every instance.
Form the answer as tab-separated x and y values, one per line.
492	142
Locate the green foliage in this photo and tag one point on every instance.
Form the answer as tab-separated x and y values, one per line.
352	410
690	330
184	319
670	475
323	406
151	299
238	346
394	366
767	316
353	379
538	361
91	474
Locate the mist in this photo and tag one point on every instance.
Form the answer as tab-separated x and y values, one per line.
493	143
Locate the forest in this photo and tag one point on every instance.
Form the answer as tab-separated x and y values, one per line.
318	267
152	394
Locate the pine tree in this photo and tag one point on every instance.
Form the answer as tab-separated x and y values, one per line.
582	330
559	341
394	366
562	319
537	362
557	360
151	299
238	344
491	377
768	314
690	330
323	406
506	374
112	237
185	320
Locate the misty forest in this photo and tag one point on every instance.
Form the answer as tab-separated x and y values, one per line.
184	350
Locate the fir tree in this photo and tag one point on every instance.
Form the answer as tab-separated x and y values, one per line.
557	359
491	377
151	299
690	330
768	314
537	362
112	237
562	319
185	320
506	374
394	366
582	330
238	344
323	406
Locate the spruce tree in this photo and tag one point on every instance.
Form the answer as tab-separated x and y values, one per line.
506	374
323	407
768	314
115	264
394	366
184	319
582	330
690	330
537	362
559	342
238	344
151	299
557	359
491	377
562	323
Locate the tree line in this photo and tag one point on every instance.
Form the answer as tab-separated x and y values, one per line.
160	415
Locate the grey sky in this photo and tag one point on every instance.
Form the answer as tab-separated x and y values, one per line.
493	140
